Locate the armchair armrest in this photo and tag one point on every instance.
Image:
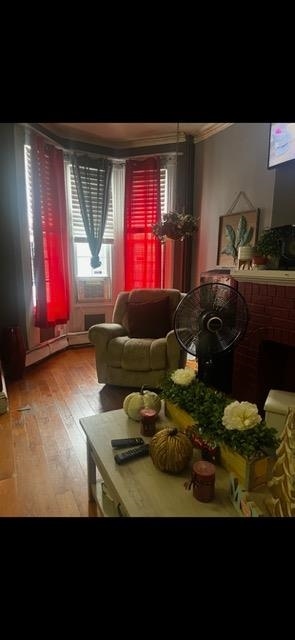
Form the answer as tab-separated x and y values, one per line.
101	334
175	353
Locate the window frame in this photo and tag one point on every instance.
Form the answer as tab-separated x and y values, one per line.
75	240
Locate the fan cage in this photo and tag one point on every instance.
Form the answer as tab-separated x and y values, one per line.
210	320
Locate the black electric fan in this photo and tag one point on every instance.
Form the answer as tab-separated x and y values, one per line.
208	322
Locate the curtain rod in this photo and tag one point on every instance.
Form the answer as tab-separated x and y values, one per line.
66	150
26	125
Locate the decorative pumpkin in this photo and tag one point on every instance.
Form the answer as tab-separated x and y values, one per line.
138	400
170	450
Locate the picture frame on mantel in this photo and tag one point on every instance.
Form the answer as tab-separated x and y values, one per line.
236	229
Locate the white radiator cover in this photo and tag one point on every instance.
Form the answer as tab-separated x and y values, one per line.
276	408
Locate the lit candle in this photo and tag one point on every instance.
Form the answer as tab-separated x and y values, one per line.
148	421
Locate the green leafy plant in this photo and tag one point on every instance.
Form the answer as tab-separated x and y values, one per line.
175	225
206	405
269	244
239	238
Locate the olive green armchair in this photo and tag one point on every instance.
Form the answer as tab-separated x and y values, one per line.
139	346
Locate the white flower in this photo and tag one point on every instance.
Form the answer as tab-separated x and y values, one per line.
241	416
184	377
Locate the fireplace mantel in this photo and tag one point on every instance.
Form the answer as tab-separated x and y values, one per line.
264	276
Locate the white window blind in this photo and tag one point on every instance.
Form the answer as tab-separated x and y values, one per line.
29	197
78	229
77	221
29	189
163	190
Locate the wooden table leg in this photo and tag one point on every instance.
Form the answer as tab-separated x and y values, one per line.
91	473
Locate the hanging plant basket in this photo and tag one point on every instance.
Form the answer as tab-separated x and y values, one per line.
175	226
172	231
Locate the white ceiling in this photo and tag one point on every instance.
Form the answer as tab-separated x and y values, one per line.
130	134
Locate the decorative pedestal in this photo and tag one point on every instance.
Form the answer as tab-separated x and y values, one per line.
251	474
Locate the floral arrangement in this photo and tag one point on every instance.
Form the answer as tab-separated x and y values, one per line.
184	377
175	225
219	419
241	416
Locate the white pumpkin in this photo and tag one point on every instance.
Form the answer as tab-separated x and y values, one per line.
138	400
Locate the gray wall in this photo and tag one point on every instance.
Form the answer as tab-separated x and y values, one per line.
284	195
231	161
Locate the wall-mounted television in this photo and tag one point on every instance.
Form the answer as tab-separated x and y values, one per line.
281	143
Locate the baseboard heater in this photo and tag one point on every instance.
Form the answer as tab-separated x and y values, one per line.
56	344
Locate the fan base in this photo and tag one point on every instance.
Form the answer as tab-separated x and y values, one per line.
217	372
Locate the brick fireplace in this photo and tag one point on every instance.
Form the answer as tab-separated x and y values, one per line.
265	358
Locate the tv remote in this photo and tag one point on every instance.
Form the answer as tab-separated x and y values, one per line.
126	442
132	454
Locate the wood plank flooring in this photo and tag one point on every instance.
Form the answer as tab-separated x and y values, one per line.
43	468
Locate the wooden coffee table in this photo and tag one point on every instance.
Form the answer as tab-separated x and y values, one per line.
138	488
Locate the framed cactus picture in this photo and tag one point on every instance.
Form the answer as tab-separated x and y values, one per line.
236	230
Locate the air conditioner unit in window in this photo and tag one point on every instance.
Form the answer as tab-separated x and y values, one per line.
92	289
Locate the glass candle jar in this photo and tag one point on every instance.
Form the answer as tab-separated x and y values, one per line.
148	421
203	480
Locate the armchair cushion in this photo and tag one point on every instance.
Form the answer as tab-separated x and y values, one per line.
149	319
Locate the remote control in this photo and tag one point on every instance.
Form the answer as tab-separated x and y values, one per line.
126	442
132	454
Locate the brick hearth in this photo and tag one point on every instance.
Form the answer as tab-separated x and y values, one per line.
264	358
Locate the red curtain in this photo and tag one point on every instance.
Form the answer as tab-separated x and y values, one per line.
142	210
50	234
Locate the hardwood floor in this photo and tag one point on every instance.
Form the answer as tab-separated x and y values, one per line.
43	468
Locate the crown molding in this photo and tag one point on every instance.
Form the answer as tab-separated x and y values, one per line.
70	134
211	130
206	131
150	142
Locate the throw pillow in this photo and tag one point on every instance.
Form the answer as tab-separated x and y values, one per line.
149	319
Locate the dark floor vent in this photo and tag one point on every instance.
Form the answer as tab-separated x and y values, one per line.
93	318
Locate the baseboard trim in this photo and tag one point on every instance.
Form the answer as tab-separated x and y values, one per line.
80	337
60	343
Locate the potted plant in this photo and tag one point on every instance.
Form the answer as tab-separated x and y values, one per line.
175	226
246	444
269	246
